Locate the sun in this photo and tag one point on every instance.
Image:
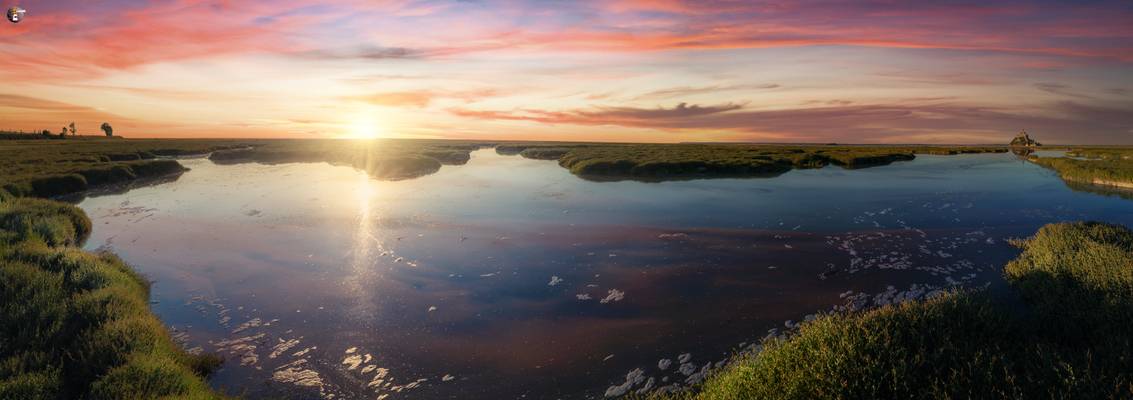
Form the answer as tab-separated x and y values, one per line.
365	128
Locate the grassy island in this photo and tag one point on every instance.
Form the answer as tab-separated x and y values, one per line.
382	159
1065	332
656	162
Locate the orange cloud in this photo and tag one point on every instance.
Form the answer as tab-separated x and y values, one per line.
422	98
56	46
34	114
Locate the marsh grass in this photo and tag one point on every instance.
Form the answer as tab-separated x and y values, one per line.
1102	153
656	162
1069	337
49	168
1112	171
382	159
1071	267
78	324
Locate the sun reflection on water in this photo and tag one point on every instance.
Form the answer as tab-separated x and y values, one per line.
365	246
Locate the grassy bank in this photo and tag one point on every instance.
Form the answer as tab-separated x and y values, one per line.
1102	166
654	162
1068	337
77	324
1102	153
47	168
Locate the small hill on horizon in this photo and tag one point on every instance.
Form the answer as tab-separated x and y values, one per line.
1024	140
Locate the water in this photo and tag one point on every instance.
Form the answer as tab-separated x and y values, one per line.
509	277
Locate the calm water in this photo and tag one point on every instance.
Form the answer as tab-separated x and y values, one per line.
510	278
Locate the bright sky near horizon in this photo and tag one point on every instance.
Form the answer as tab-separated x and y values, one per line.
638	70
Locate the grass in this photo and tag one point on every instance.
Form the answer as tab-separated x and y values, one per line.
654	162
1102	166
1069	338
1103	153
382	159
49	168
1070	268
78	324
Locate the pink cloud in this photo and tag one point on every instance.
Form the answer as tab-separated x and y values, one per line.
66	44
59	45
422	98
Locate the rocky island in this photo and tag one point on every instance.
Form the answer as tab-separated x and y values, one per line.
1024	140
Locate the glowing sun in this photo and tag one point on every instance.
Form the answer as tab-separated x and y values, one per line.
365	128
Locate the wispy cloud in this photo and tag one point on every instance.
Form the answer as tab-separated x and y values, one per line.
367	52
659	117
691	90
1061	90
929	121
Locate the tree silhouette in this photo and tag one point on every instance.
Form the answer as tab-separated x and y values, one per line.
107	128
46	133
72	128
63	133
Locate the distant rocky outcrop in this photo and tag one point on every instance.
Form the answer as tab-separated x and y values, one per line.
1024	140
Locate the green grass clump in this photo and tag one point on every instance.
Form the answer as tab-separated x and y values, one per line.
58	224
1070	267
947	347
1069	338
78	324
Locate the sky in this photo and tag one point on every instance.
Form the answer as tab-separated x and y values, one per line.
630	71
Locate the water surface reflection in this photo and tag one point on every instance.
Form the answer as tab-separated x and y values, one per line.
509	277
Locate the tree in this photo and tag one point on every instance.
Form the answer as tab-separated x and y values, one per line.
63	133
107	128
46	133
72	128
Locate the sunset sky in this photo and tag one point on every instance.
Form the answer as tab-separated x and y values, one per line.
642	70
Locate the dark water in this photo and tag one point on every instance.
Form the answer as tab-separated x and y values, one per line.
511	278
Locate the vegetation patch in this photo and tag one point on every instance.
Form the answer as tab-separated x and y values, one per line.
545	153
657	162
1068	337
1107	169
77	324
49	168
382	159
